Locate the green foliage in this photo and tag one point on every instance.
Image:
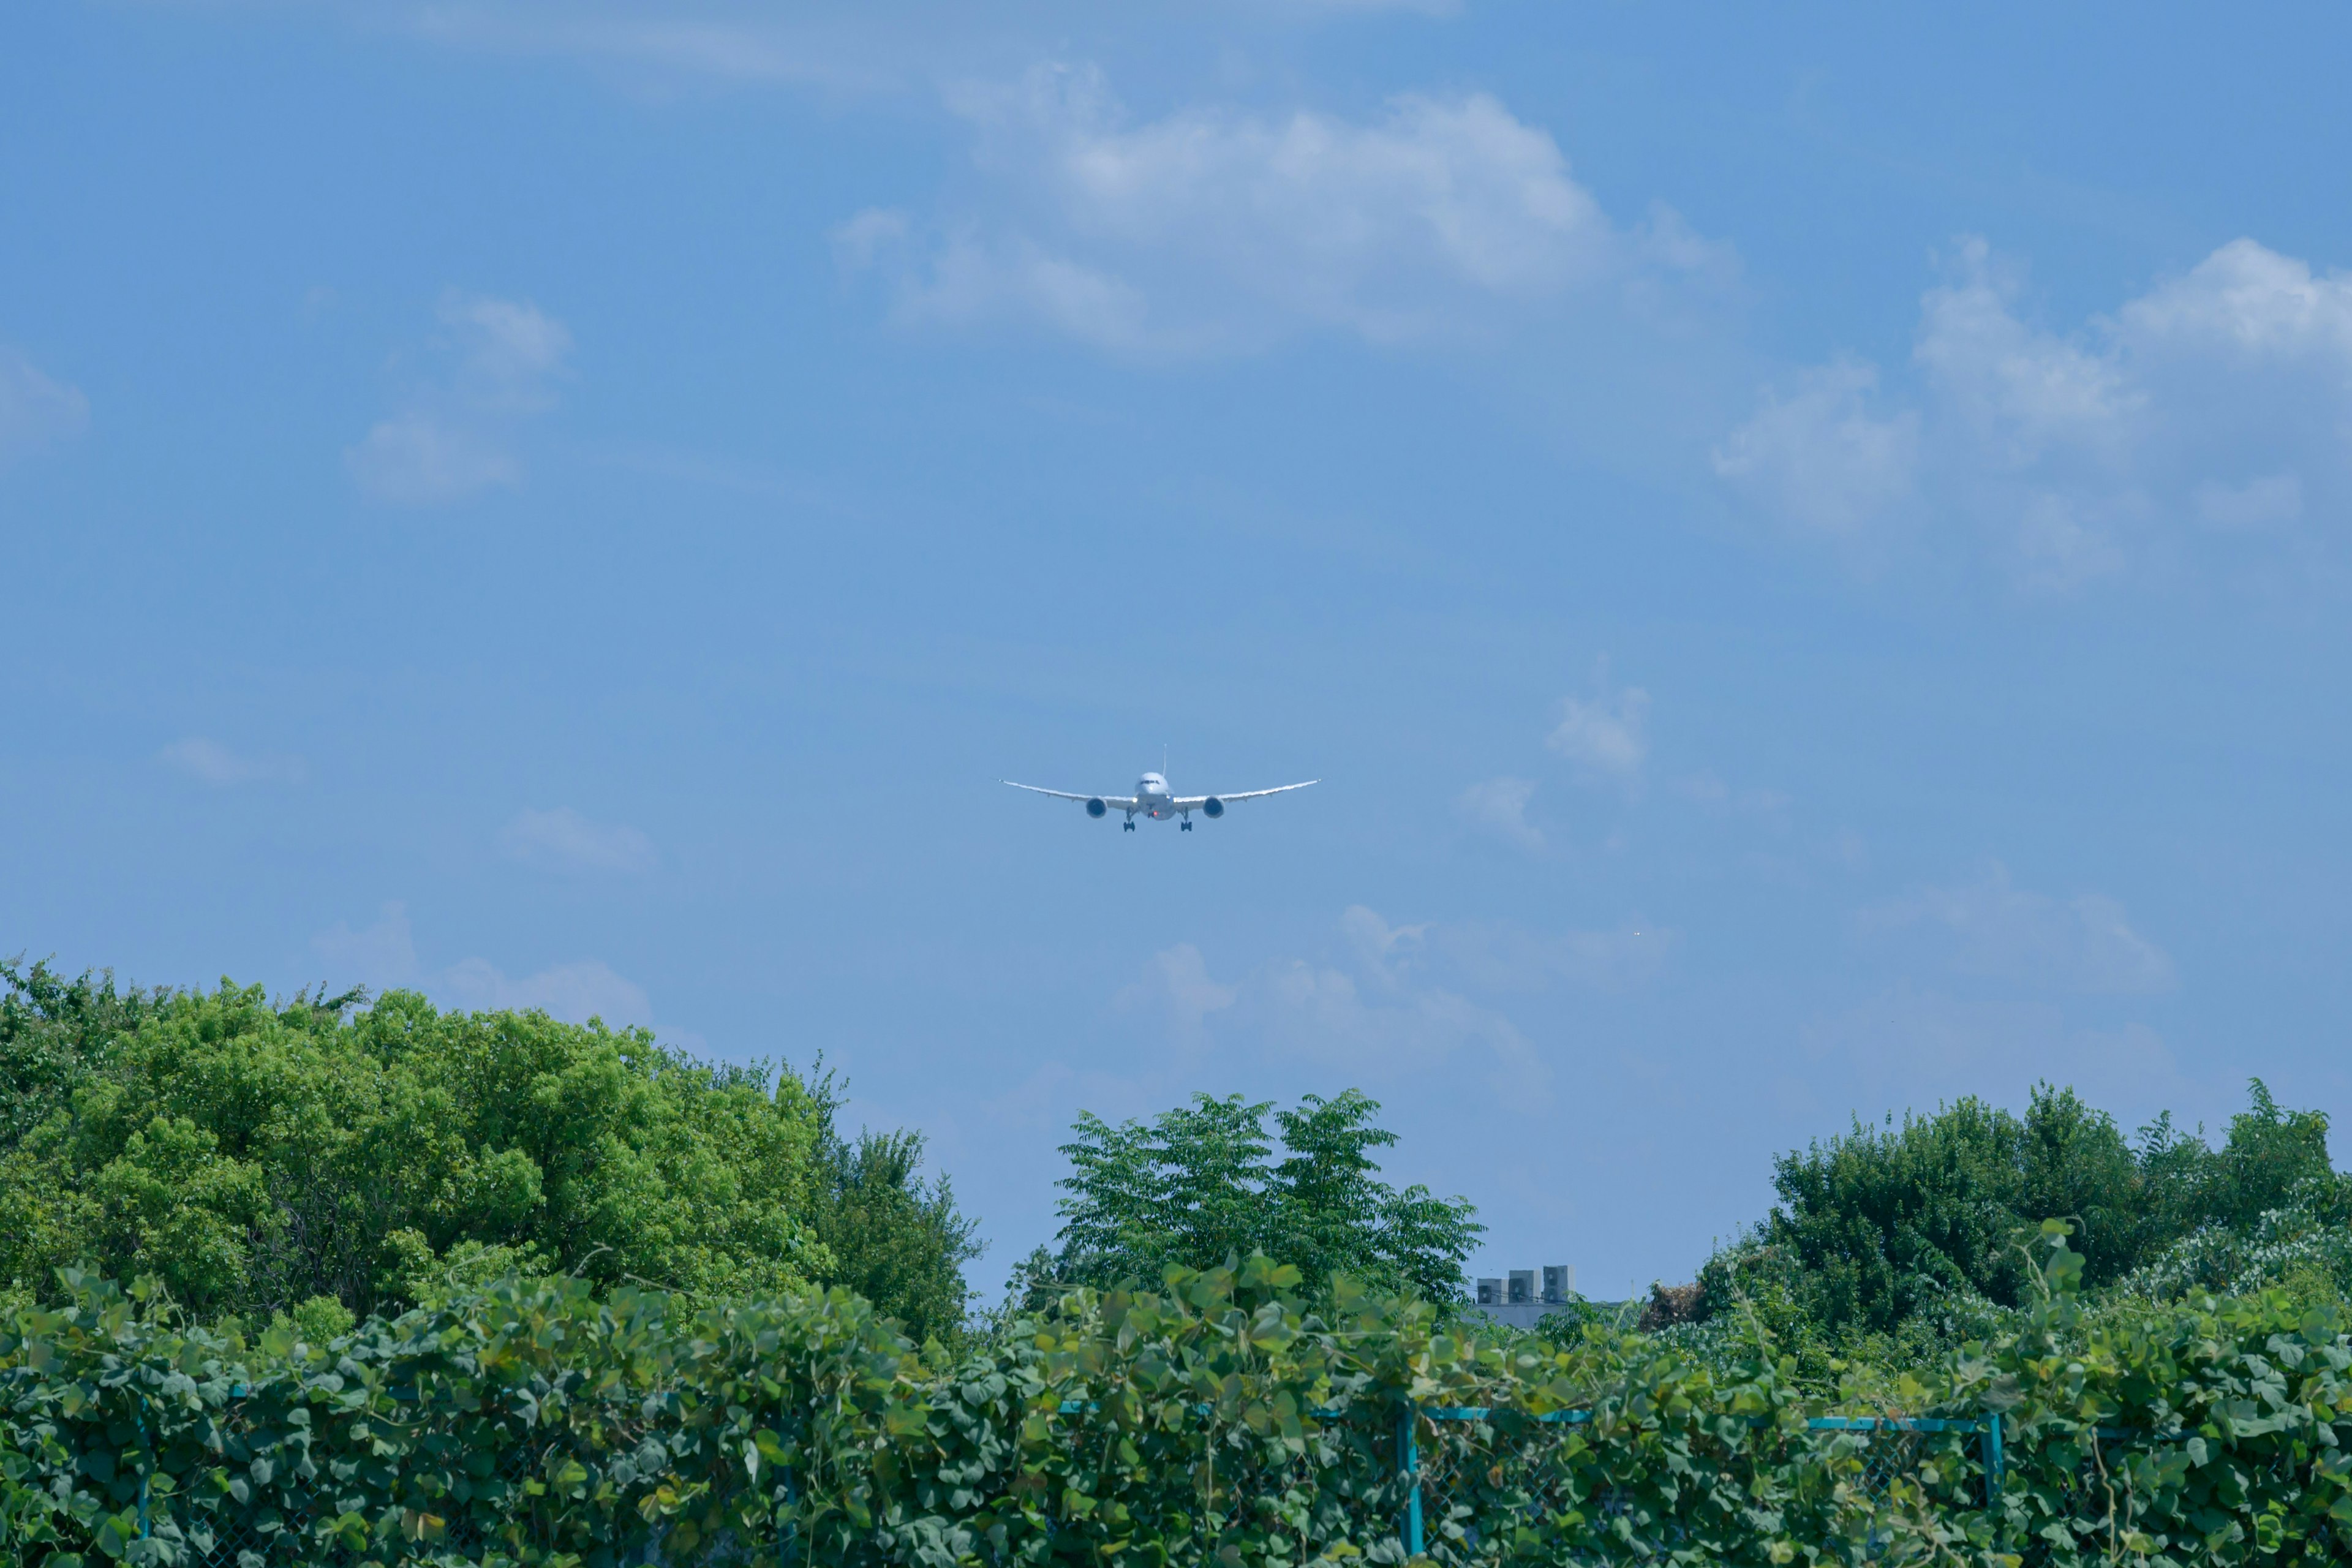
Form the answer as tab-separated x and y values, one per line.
55	1035
254	1156
1199	1185
1916	1222
1215	1419
2207	1431
893	1238
2304	1248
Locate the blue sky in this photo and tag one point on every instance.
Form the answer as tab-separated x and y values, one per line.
1808	548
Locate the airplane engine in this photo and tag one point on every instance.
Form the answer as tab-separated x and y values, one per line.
1096	809
1212	806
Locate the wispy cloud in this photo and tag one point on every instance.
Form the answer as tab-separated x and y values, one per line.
211	762
564	839
1177	983
1990	926
576	992
2213	403
35	413
1706	789
1817	450
1605	734
455	434
1910	1047
383	956
1215	230
1369	1011
1397	1001
1500	806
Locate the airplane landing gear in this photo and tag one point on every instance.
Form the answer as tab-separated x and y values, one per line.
1129	825
1185	826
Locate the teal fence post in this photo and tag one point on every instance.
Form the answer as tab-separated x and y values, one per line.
1994	1461
146	1467
1409	1464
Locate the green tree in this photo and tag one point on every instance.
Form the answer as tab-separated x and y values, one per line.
255	1156
1885	1224
892	1236
1199	1185
55	1034
2272	1159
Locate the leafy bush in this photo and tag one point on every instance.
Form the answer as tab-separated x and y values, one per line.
2211	1431
2305	1247
1213	1420
261	1157
1918	1221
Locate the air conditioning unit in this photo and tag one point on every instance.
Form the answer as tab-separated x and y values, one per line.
1490	1292
1558	1283
1523	1287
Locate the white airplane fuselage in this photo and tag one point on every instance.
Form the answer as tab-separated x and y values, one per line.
1154	798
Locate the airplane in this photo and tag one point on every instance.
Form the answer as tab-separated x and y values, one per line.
1152	798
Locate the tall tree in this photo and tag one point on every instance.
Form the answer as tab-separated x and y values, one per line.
891	1235
1200	1183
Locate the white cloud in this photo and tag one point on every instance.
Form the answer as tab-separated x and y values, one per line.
1706	789
1908	1048
1396	1003
1820	455
1500	806
454	435
1373	1015
573	992
1177	983
35	413
421	459
858	239
2258	503
563	837
511	351
2218	399
971	278
1992	927
2249	301
1383	951
1330	1017
214	763
1605	736
383	957
1215	229
2025	392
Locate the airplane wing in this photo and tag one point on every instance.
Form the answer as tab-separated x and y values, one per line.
1115	802
1195	802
